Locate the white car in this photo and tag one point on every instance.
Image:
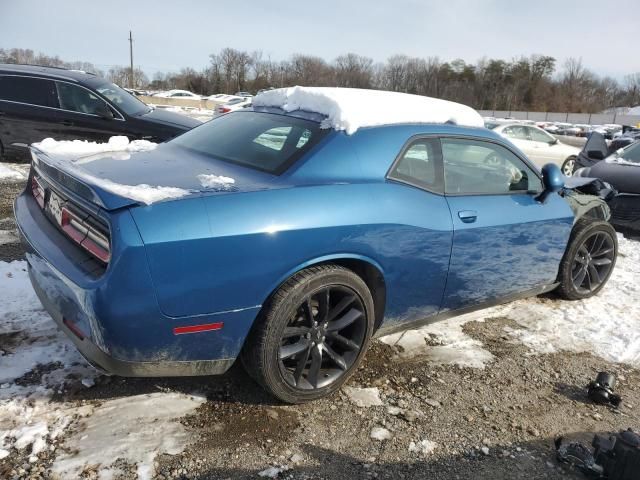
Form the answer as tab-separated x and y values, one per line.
539	146
179	94
232	106
219	98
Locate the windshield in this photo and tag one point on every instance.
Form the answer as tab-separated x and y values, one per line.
262	141
122	99
630	153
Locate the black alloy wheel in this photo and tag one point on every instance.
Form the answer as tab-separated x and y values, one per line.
322	338
312	334
593	262
589	259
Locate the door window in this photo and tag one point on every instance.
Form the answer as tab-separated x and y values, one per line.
34	91
516	131
540	136
78	99
419	165
477	167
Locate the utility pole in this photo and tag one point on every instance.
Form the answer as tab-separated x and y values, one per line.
131	58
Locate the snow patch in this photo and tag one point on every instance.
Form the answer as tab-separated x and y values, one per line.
607	325
135	429
363	397
381	434
424	447
443	343
350	108
215	181
141	193
272	472
13	172
72	149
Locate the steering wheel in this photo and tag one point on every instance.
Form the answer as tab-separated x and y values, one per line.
493	159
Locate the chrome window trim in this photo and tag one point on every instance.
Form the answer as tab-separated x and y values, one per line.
121	119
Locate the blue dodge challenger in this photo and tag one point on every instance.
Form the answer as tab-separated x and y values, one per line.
291	245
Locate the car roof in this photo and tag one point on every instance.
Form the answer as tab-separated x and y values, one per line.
48	72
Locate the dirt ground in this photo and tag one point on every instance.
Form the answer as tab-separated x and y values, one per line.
499	422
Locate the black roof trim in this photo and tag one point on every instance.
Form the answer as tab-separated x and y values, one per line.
45	71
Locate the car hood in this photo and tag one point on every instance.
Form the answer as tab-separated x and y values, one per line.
623	176
158	115
118	179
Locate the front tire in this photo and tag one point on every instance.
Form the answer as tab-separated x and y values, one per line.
589	260
569	166
312	334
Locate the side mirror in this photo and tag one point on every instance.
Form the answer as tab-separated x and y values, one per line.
552	179
595	154
553	142
103	111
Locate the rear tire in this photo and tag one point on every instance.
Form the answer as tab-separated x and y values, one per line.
589	260
312	334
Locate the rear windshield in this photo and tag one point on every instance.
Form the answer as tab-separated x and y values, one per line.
264	141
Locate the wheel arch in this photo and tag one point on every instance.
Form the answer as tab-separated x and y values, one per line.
370	271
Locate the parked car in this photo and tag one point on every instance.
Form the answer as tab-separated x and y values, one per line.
39	102
621	169
539	146
291	244
243	94
184	94
232	105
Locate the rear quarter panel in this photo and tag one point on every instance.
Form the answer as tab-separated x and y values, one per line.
226	252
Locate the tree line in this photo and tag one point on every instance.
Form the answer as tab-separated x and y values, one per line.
534	83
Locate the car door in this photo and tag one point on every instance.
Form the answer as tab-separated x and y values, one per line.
86	115
505	241
417	249
27	113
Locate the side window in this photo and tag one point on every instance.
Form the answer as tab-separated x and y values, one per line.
35	91
517	131
419	165
539	135
78	99
477	167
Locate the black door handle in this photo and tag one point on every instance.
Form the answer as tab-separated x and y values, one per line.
1	113
66	123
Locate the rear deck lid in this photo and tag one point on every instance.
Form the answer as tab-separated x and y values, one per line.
119	179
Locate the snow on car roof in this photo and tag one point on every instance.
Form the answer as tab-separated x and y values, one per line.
351	108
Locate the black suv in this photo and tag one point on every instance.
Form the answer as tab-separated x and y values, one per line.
39	102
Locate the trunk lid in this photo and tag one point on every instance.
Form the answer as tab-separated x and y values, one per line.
115	180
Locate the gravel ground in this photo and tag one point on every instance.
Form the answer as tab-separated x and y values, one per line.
432	421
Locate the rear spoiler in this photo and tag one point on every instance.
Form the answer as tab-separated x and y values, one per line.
72	178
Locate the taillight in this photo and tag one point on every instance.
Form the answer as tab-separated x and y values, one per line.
85	235
38	191
225	110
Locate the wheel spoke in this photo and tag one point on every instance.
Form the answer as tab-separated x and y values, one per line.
333	355
351	345
300	366
344	321
340	307
601	261
323	305
308	310
593	275
316	363
288	351
597	243
602	252
578	279
295	332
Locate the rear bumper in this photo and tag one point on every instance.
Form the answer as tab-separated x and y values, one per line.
114	319
109	364
625	211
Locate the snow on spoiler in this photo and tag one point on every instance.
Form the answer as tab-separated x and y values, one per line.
100	191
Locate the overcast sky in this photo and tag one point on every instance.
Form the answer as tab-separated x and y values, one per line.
172	35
